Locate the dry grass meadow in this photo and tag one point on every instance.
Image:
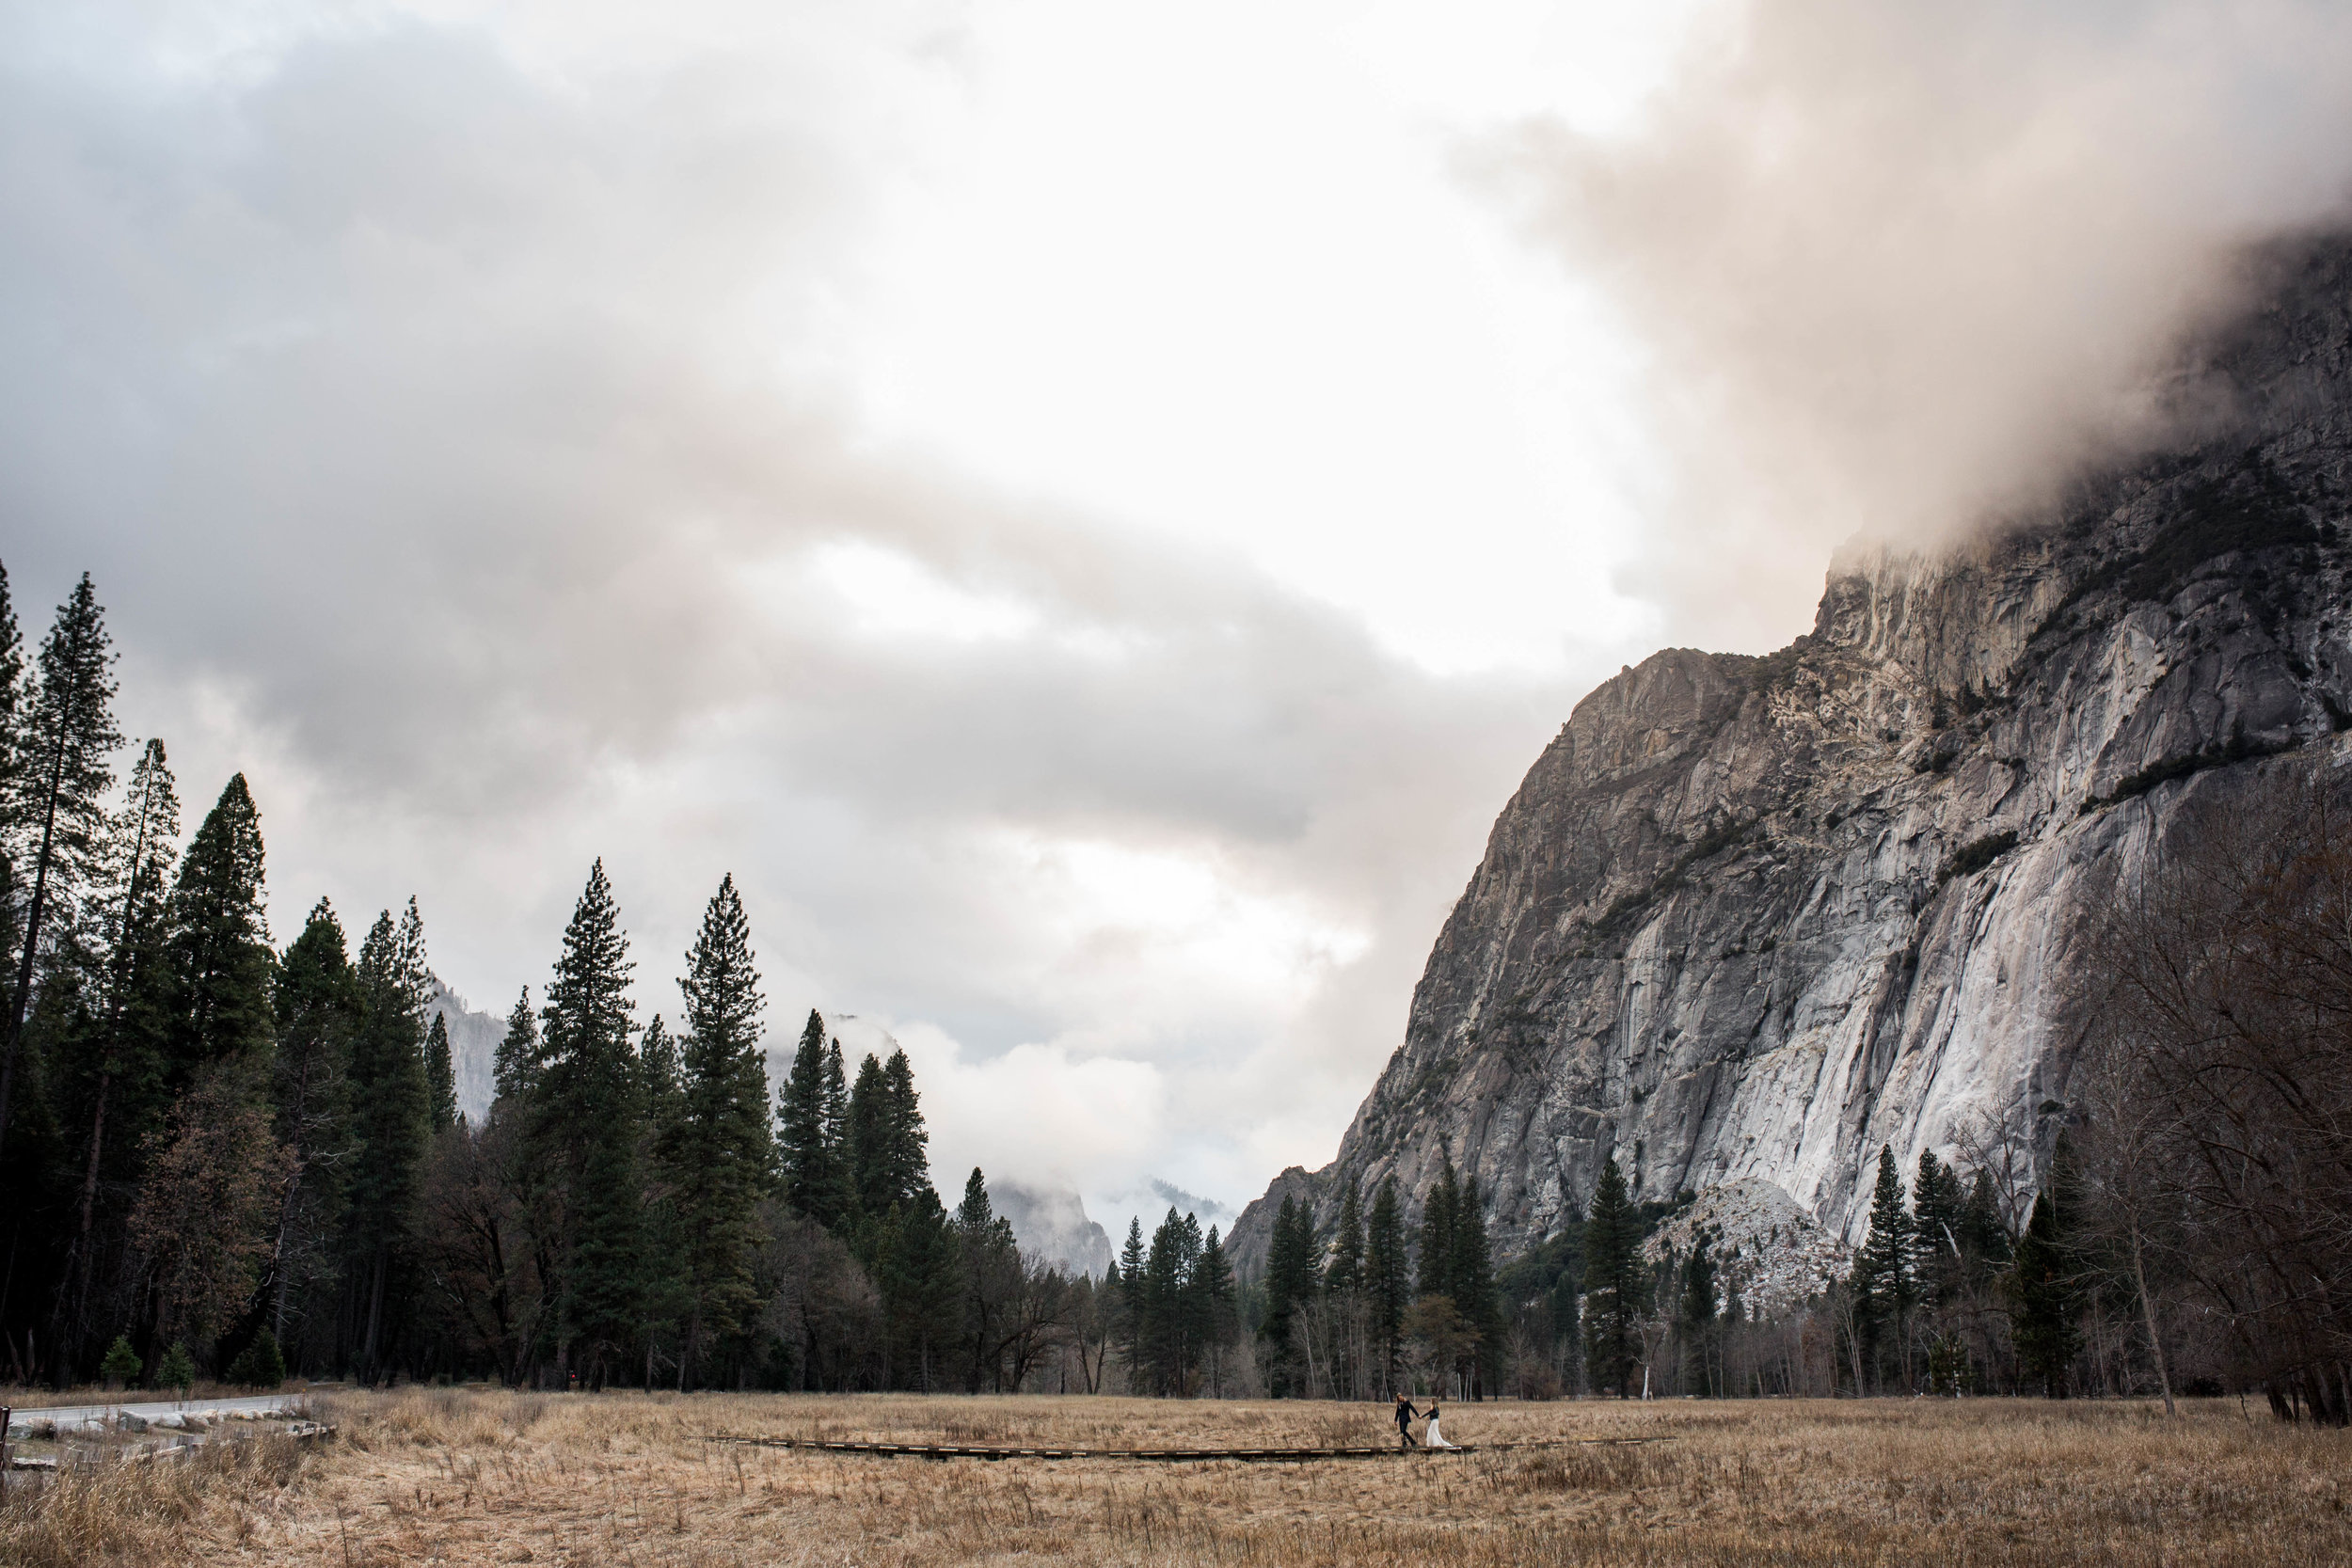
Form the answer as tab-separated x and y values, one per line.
484	1476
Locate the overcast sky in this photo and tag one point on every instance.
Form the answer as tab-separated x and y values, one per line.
1086	510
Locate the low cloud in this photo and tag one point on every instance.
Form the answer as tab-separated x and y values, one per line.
1904	267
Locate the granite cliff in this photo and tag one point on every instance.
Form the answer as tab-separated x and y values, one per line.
1748	918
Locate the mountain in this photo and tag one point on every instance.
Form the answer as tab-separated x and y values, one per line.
1048	1221
474	1043
1749	919
1051	1223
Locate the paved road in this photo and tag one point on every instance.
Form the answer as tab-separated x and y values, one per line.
88	1415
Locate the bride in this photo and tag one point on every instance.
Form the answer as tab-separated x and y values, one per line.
1435	1438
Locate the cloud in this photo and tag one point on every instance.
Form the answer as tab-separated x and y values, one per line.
449	428
461	411
1902	267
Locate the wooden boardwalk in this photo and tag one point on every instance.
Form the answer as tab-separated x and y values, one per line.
1170	1456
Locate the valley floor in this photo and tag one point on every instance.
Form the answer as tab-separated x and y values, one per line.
486	1476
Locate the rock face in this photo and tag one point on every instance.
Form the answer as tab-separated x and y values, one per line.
1748	918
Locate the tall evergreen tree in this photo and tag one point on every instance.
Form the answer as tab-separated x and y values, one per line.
907	1159
585	1117
1471	1283
815	1182
514	1068
64	772
2043	1326
1939	1215
391	1095
124	1062
440	1076
1126	1282
1983	1236
662	1081
1344	1274
317	1007
1696	1317
1388	1279
220	952
666	1294
1174	1308
888	1145
1436	1231
1291	1275
1883	1284
837	1129
1616	1284
721	1158
919	1273
871	1186
991	1282
1212	1278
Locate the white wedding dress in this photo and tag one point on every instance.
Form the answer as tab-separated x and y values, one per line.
1437	1438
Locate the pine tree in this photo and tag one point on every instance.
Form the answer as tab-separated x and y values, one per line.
1471	1283
838	1131
992	1281
1387	1283
586	1113
871	1186
1983	1237
809	1139
1291	1275
64	772
219	954
1343	1275
1883	1284
1614	1283
440	1076
666	1294
2043	1326
919	1273
1938	1210
514	1068
722	1160
661	1080
1175	1316
1213	1280
907	1159
1129	1326
1436	1231
125	1058
391	1099
317	1006
1697	1317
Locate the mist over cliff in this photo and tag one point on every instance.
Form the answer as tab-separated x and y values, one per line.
1751	919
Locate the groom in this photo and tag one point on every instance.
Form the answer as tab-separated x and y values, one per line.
1404	1414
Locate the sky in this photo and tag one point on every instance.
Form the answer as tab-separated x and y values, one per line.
1086	511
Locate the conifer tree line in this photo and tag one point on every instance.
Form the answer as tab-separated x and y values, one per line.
1375	1307
231	1159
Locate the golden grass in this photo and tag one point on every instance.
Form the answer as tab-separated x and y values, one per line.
150	1513
481	1477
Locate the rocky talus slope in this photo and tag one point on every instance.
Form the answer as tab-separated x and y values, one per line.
1748	918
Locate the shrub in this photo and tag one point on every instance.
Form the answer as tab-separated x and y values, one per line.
123	1365
177	1369
259	1365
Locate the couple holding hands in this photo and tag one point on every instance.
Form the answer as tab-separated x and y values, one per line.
1404	1414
